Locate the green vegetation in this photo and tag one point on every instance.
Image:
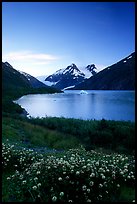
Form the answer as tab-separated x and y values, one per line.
25	153
30	135
65	160
77	176
116	136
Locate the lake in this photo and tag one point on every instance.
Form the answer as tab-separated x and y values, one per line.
110	105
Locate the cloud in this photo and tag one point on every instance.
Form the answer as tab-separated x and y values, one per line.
32	63
27	55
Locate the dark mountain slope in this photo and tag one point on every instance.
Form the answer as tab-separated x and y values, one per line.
119	76
34	82
15	84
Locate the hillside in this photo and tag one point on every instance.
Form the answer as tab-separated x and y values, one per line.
16	84
119	76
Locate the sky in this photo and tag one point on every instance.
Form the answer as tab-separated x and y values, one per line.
40	38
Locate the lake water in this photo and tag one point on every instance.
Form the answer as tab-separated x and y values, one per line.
110	105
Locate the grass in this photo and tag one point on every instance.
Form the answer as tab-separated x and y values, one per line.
34	135
127	193
5	186
113	135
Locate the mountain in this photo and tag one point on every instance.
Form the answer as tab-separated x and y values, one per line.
34	82
70	76
16	83
12	79
119	76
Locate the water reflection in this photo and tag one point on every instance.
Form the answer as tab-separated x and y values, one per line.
111	105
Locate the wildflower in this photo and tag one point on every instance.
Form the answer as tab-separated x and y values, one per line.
77	172
34	187
100	185
105	184
23	182
121	173
97	163
38	172
84	188
54	198
60	179
8	178
103	177
88	190
89	201
35	179
118	185
91	183
39	184
92	175
61	194
67	177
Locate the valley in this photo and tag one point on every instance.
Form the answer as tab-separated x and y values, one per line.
55	155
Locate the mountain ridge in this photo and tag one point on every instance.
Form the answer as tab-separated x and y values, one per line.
70	76
119	76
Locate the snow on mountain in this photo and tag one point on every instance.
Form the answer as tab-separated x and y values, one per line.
65	77
35	83
70	76
118	76
69	87
88	70
28	76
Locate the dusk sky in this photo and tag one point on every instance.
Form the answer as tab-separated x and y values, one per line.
42	37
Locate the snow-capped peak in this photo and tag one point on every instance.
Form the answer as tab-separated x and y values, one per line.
70	76
73	70
88	70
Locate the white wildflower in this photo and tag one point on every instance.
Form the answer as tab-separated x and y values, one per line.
54	198
23	182
60	179
39	184
61	194
84	188
77	172
100	185
38	172
34	187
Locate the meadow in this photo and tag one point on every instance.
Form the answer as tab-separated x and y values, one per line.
75	175
51	160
